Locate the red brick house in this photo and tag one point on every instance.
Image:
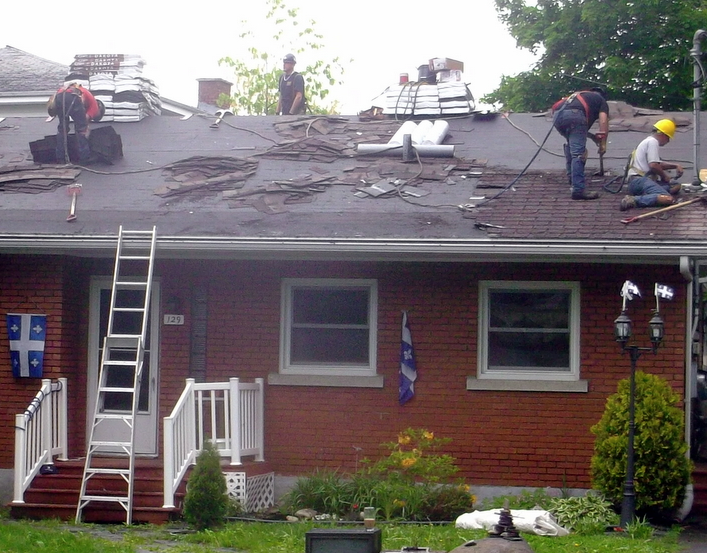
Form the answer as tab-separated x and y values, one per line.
288	257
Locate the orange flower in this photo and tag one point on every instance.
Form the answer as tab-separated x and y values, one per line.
408	462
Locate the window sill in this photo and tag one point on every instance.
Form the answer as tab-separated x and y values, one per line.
277	379
578	386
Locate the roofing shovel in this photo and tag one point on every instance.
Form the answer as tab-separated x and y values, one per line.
661	210
74	190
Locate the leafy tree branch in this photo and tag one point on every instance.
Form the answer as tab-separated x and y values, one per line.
257	74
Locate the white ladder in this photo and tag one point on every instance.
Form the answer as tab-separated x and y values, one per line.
120	373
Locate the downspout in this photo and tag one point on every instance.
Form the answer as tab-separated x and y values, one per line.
688	270
698	76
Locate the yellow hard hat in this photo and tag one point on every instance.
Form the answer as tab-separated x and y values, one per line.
666	126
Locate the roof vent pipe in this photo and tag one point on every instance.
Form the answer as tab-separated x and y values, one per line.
698	73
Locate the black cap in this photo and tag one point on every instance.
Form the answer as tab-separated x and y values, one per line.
290	57
599	90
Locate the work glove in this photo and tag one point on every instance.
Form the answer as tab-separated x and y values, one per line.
602	147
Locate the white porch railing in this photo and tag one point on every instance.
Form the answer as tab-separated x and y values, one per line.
229	414
40	434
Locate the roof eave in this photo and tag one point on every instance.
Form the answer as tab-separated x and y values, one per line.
428	250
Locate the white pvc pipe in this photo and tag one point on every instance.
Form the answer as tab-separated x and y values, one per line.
437	133
424	150
406	128
421	131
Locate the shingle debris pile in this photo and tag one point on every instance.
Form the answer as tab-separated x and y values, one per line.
117	80
206	175
33	179
326	139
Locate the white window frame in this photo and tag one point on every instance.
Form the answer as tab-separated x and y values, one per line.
485	287
329	369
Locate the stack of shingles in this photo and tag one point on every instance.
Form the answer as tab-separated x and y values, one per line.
116	80
33	179
428	99
206	175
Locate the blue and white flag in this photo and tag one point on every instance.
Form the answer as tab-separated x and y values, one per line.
664	291
408	371
629	289
27	334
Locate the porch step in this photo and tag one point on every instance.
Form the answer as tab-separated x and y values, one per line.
56	495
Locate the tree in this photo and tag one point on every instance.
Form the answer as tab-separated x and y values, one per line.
639	50
256	86
206	501
662	469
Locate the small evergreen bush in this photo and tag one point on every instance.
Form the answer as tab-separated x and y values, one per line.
662	469
206	502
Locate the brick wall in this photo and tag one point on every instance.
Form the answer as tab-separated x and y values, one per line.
516	438
513	438
46	285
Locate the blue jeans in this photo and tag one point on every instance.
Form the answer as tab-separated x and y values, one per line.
70	109
646	191
572	124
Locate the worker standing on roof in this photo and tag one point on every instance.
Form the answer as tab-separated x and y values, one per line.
573	118
73	102
291	88
649	184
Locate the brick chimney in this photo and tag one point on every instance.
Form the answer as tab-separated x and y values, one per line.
210	89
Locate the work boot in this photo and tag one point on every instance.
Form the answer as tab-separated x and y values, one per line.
664	199
584	195
627	202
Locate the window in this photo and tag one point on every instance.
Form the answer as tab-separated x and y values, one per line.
329	327
528	330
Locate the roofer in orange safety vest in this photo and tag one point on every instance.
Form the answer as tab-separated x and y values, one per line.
648	183
74	103
573	117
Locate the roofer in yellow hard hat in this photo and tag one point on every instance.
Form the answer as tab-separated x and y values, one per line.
649	184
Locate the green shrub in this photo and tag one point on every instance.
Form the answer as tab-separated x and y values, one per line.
582	513
411	483
206	502
662	469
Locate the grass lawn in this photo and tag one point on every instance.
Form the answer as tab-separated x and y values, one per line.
259	537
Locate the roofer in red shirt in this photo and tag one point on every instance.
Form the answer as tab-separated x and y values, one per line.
74	103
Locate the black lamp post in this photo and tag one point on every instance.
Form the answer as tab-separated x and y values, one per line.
622	333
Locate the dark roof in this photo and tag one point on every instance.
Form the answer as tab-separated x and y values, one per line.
26	73
289	184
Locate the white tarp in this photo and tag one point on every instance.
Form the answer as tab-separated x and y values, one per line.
534	521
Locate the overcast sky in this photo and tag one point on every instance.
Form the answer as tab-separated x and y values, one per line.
181	42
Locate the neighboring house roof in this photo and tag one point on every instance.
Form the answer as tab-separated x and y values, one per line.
26	73
28	81
287	187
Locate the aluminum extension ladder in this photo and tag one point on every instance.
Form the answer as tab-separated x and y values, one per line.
119	375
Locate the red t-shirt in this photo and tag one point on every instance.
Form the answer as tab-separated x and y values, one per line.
89	102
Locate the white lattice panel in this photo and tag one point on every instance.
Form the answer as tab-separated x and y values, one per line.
260	491
256	493
236	483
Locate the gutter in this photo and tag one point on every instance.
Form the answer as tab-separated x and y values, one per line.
454	249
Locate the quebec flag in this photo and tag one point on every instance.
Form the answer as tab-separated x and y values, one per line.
408	372
27	334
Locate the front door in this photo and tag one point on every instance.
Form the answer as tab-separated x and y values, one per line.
146	420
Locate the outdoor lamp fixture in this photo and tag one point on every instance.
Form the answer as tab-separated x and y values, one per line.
622	334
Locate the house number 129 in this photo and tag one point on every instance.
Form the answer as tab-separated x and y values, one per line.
174	319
